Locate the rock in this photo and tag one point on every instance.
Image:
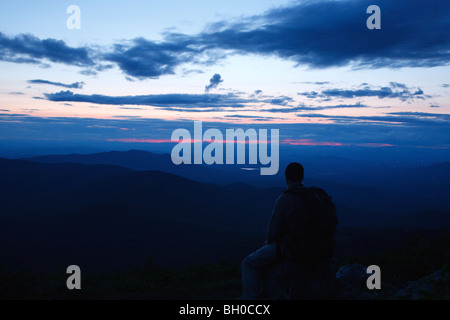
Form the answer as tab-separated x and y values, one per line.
351	283
293	281
433	286
288	280
353	275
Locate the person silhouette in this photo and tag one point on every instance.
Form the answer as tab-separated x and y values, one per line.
301	229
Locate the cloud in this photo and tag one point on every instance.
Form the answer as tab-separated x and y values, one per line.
317	34
88	72
26	48
167	101
131	108
396	85
422	114
98	67
323	34
181	102
96	126
142	58
214	82
285	110
395	90
309	142
384	92
126	117
317	108
255	118
190	109
279	101
319	83
75	85
391	118
310	94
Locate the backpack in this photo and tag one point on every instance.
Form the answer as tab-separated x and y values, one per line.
312	226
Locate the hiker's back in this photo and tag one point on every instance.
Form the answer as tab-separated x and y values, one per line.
306	270
311	226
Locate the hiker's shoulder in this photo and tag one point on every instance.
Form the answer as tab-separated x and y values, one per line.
286	196
304	192
292	192
295	188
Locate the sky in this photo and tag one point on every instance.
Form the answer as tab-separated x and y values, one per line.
136	70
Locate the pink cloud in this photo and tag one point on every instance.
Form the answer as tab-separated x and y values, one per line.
375	145
309	142
133	140
294	142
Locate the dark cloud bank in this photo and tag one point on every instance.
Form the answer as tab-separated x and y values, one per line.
318	34
156	100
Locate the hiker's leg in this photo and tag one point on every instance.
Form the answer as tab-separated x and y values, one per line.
253	267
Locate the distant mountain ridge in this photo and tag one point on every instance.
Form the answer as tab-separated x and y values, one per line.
133	159
142	161
379	189
114	216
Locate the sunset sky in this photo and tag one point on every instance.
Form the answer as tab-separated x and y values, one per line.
137	70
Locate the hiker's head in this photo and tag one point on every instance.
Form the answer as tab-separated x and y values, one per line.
294	173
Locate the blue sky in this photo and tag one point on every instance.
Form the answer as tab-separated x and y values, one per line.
138	69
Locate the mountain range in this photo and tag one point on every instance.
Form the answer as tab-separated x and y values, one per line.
113	210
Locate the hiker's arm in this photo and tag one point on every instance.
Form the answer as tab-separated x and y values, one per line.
277	223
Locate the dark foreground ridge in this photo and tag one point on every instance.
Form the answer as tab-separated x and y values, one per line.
417	270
